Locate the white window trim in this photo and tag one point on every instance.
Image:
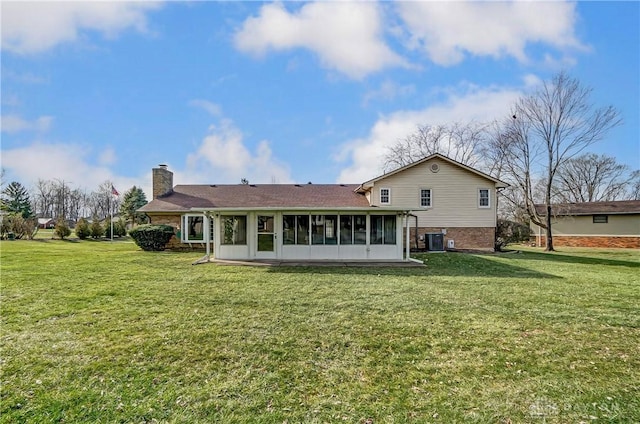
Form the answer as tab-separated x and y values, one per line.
488	206
430	198
389	196
184	230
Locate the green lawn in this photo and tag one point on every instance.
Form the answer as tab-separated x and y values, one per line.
102	332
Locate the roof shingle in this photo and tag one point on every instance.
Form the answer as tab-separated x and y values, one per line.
590	208
283	196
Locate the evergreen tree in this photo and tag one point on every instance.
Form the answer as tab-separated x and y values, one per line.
82	229
15	199
132	200
62	229
96	229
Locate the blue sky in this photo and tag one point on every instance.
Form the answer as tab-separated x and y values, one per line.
286	92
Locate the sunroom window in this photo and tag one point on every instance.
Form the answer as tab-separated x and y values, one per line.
234	229
383	229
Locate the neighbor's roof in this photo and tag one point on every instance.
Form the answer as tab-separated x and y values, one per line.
369	184
256	196
590	208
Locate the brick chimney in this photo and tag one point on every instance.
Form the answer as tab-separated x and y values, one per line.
162	181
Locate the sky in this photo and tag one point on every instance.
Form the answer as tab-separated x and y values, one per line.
286	92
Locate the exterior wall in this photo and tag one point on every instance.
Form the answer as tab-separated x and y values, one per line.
290	252
464	238
591	241
454	195
174	221
581	231
618	225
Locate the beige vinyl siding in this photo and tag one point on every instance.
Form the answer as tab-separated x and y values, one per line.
454	195
618	225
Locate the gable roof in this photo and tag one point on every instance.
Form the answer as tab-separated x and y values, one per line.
255	196
617	207
370	183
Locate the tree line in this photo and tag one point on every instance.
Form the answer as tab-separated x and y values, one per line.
59	201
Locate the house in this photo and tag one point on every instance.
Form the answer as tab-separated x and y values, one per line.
592	224
436	201
46	223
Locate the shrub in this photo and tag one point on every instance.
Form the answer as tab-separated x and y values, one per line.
62	229
82	229
96	229
152	237
19	226
119	229
510	232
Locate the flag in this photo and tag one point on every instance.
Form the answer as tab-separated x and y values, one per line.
114	191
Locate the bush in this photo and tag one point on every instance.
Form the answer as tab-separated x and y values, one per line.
62	229
510	232
19	226
96	229
82	229
152	237
119	229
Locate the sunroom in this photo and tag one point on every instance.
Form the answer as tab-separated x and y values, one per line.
300	234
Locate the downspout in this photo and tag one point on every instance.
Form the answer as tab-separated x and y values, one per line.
407	247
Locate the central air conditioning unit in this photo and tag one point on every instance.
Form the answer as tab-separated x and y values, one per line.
435	242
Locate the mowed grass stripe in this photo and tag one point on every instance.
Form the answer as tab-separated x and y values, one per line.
103	332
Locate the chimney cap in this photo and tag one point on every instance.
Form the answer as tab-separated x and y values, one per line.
163	166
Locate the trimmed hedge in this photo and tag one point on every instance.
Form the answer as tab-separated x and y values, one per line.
152	237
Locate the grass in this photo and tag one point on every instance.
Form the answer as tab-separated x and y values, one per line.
103	332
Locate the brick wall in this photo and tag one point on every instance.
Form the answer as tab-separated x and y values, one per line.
591	241
174	221
472	238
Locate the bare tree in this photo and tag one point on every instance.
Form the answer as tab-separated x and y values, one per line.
592	178
547	128
634	191
461	142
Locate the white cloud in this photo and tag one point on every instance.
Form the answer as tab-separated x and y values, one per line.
33	27
73	163
363	156
211	108
388	90
13	124
223	157
347	36
447	31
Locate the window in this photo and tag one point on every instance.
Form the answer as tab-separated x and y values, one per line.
193	228
295	229
385	196
383	229
483	198
234	229
353	229
425	197
600	219
324	229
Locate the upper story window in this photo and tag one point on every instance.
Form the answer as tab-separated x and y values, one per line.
483	198
385	196
600	219
425	197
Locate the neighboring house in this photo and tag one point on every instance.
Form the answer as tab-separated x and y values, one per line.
46	223
592	224
452	202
